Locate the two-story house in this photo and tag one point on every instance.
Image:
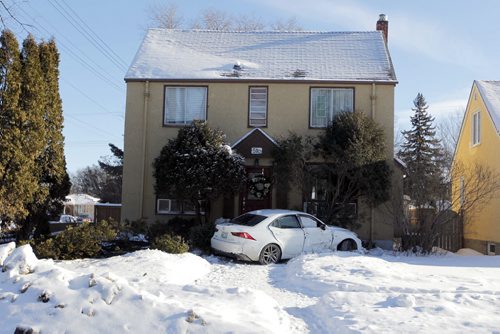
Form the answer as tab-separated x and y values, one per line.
255	87
478	143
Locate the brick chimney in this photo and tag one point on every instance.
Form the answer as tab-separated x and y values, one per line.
383	25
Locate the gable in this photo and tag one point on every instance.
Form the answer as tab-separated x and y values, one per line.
255	144
218	55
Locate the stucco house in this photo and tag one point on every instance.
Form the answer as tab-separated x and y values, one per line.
478	143
255	87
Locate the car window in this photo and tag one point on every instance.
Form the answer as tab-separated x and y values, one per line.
248	219
309	222
286	222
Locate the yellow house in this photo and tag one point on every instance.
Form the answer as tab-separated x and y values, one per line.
478	143
255	87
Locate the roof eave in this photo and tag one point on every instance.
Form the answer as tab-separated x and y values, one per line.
305	80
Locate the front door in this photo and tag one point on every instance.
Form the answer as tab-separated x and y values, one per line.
256	195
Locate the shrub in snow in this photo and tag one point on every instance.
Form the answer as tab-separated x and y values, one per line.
200	236
76	242
173	244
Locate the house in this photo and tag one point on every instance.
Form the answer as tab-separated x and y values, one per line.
255	87
80	204
478	143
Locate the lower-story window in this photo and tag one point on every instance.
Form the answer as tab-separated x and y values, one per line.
175	206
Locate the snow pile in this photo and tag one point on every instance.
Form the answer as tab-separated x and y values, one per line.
468	252
143	292
408	294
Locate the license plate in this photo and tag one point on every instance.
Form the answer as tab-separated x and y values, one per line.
224	235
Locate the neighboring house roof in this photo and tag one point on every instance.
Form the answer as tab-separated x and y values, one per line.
80	199
490	93
216	55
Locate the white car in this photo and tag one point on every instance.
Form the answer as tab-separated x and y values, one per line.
268	236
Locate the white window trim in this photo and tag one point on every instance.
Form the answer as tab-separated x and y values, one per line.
328	116
476	129
250	118
186	122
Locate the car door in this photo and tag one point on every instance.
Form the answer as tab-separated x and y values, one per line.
317	236
288	231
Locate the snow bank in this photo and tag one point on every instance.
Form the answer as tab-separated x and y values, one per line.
148	291
409	294
468	252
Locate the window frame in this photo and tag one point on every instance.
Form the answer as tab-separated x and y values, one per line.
353	89
164	113
249	119
476	128
170	212
276	220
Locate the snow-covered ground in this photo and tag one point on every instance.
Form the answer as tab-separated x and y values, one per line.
154	292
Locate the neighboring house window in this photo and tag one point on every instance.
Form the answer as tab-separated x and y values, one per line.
185	104
174	206
326	102
257	106
476	128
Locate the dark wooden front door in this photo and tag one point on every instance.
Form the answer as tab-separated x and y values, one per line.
249	202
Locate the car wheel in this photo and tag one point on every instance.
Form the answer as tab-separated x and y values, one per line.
270	254
347	245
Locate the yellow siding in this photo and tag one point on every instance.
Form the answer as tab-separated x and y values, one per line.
288	110
484	225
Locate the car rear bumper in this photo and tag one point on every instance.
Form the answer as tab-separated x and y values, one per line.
229	249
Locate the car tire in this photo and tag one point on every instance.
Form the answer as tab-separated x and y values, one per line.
271	253
347	246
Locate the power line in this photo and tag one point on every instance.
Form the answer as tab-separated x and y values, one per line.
106	110
74	55
85	33
91	126
123	62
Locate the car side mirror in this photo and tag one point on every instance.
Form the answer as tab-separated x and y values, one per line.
323	227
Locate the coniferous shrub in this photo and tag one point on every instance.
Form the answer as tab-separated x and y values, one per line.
169	243
76	242
200	236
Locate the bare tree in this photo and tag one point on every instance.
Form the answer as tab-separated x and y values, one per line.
248	23
290	24
213	19
448	131
166	16
474	185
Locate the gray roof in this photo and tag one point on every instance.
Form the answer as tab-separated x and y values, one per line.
212	55
490	93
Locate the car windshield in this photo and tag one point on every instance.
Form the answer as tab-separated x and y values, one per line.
248	219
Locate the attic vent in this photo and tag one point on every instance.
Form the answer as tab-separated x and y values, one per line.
237	67
299	73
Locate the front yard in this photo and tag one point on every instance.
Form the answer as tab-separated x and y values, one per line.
150	291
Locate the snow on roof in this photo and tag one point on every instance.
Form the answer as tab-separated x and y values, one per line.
80	199
202	54
490	93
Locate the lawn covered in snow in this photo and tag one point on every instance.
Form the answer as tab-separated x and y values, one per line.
154	292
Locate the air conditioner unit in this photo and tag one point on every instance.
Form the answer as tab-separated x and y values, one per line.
163	205
491	248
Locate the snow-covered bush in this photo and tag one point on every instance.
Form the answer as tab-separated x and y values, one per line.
169	243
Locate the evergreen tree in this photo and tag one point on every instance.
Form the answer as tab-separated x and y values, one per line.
113	167
423	155
52	162
353	148
198	166
18	183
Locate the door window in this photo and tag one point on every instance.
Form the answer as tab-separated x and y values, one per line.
309	222
286	222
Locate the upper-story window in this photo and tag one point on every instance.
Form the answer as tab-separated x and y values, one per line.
326	102
476	128
185	104
257	106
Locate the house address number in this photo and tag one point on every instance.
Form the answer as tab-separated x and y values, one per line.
256	150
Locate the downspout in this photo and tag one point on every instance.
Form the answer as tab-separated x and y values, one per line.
373	98
144	146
